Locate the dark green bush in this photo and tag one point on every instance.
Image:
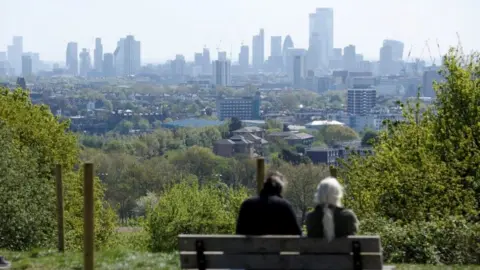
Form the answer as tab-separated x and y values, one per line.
188	208
448	241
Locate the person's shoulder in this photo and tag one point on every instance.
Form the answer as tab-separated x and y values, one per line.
348	213
251	200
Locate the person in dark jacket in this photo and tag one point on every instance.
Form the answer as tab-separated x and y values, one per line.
329	219
268	213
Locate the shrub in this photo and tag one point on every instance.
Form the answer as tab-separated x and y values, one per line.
188	208
448	241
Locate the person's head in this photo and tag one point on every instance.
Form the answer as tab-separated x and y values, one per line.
329	192
274	183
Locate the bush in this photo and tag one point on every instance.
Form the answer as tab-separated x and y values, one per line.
188	208
449	241
105	217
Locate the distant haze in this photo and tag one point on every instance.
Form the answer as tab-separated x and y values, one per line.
166	28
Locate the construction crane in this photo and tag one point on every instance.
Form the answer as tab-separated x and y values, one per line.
430	53
404	65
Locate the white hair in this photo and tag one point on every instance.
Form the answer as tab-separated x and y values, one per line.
329	192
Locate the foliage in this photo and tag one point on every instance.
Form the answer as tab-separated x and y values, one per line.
448	241
302	181
369	138
105	217
189	208
332	134
234	124
415	174
34	141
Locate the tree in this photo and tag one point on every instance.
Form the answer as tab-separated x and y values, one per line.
143	124
424	168
336	133
125	126
302	181
235	124
369	138
34	141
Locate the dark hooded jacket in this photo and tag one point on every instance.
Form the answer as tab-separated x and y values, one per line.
267	214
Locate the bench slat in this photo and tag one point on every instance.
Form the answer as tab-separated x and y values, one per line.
271	261
275	244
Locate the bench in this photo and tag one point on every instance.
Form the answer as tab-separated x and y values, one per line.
279	252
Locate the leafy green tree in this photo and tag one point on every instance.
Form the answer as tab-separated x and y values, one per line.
336	133
35	141
369	138
125	126
143	124
193	209
235	124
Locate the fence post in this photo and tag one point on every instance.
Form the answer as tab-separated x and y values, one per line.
260	174
333	171
88	237
60	214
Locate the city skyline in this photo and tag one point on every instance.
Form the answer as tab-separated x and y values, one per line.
167	34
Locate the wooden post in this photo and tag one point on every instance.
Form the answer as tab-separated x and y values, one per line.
88	237
60	216
333	171
260	174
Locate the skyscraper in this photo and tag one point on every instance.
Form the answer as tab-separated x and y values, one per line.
85	62
26	66
276	46
349	58
222	56
127	56
221	73
98	55
321	35
72	58
287	44
15	52
296	65
198	58
108	67
206	61
243	58
258	50
386	60
177	66
397	48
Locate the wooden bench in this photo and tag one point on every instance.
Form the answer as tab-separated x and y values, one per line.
279	252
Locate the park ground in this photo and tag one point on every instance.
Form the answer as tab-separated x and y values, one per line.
127	255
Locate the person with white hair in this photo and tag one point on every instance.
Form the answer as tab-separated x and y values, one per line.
329	219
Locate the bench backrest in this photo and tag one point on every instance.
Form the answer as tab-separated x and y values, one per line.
278	252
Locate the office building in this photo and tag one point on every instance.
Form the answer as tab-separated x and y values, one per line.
430	76
221	75
207	69
15	52
244	108
349	58
276	46
258	50
72	58
3	57
287	44
85	62
222	56
98	55
198	59
296	68
108	66
397	48
243	58
127	56
386	64
361	99
177	67
27	70
321	36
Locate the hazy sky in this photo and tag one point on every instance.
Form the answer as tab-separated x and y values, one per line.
169	27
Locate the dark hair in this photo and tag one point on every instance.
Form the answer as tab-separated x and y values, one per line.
274	183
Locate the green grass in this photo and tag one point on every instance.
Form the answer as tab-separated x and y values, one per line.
114	260
130	253
124	259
